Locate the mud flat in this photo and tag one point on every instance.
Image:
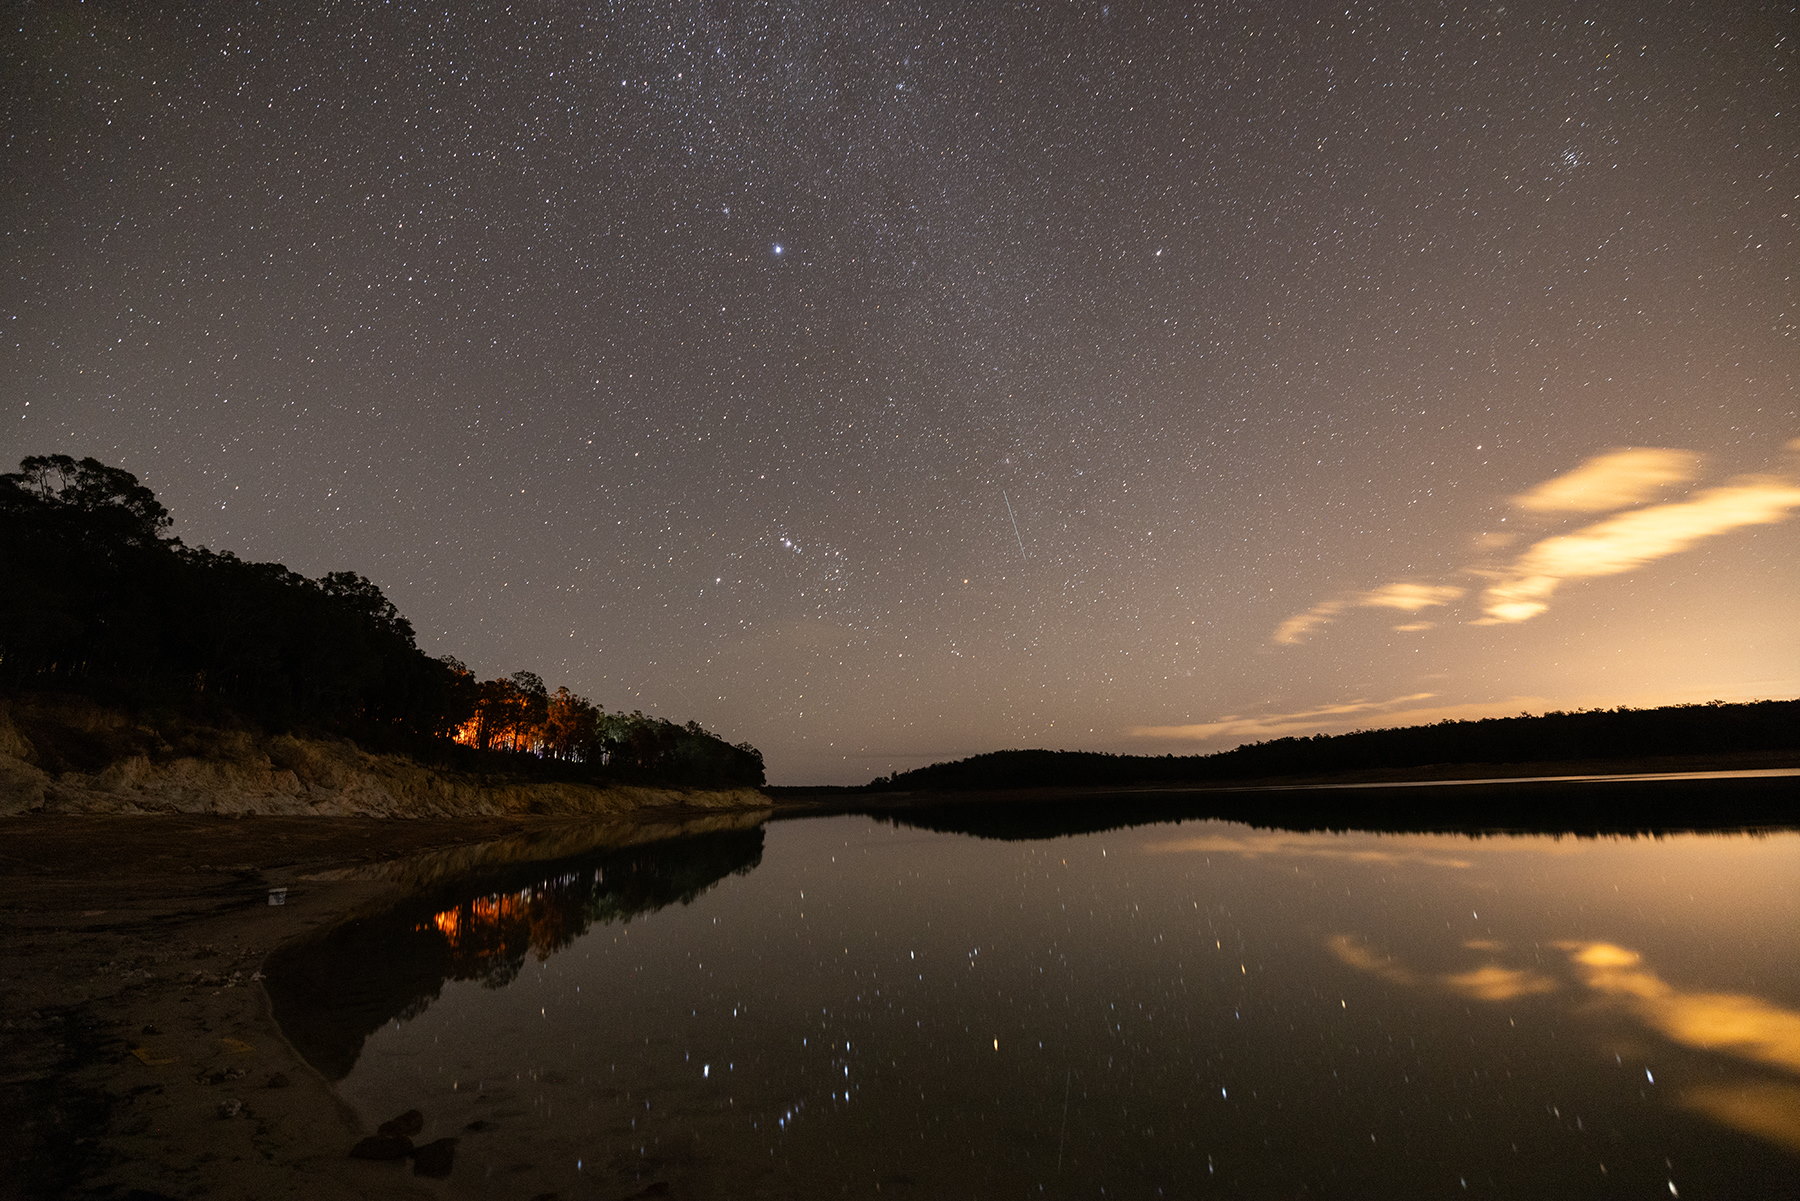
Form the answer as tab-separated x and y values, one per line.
138	1054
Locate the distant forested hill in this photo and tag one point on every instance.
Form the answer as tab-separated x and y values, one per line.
1611	734
100	601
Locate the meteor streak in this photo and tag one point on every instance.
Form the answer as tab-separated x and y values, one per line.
1015	521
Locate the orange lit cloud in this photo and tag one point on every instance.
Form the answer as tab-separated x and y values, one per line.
1410	597
1269	724
1521	587
1628	541
1407	597
1295	629
1613	480
1400	711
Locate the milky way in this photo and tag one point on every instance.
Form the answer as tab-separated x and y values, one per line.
881	383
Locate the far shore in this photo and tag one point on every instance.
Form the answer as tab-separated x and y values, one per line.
1499	792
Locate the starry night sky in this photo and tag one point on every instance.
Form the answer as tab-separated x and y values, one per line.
888	382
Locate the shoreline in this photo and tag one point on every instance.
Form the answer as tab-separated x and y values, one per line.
141	1053
1759	789
1445	773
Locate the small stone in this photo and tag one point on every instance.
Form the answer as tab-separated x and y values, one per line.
231	1107
434	1158
277	1081
406	1125
382	1146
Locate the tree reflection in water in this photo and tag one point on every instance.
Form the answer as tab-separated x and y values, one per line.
331	992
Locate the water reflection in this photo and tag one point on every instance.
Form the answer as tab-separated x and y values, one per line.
1578	806
1765	1109
1739	1025
1173	1009
1736	1023
331	992
1421	850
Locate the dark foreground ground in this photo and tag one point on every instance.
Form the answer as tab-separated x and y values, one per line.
138	1056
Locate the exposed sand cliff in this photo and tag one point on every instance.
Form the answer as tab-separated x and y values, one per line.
78	758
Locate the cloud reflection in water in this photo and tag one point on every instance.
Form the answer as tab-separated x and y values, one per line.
1740	1025
1251	846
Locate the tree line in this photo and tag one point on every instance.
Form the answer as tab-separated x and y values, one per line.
101	600
1712	728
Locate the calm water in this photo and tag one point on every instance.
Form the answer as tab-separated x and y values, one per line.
844	1007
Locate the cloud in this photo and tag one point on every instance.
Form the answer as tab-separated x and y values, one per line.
1295	629
1627	541
1521	585
1313	721
1407	597
1256	727
1410	597
1611	481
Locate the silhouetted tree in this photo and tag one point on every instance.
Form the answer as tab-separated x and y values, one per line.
99	599
1622	733
108	500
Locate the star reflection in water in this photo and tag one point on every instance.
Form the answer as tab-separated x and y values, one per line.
1164	1010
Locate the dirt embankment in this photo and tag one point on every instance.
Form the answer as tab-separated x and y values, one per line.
72	757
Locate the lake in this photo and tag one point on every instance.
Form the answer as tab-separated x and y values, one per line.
852	1006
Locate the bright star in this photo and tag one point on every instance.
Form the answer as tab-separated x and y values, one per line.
778	248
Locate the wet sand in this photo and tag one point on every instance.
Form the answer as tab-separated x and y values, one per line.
138	1055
